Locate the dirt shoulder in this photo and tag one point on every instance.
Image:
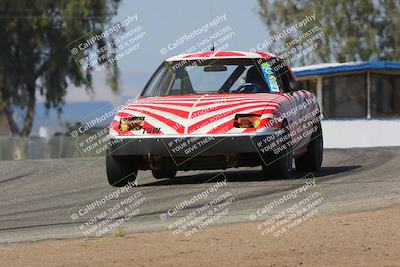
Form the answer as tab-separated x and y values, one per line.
361	239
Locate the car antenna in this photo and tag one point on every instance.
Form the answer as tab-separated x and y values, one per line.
212	48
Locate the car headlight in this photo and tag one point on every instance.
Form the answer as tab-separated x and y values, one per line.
247	121
131	124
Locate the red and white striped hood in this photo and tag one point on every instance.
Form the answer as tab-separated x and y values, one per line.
198	114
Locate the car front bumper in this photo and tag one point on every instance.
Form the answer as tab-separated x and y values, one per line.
186	146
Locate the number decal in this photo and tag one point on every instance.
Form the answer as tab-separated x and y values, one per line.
152	130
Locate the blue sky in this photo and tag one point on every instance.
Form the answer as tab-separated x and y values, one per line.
165	21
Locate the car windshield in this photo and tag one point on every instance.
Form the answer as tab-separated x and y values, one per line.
207	77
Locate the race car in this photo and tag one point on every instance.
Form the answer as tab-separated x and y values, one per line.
217	110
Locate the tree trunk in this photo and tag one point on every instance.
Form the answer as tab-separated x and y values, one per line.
20	134
9	116
30	111
26	128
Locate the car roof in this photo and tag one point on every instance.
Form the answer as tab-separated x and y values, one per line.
220	55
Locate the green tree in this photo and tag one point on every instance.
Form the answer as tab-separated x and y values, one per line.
34	58
355	30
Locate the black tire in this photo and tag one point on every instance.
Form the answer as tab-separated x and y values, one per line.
281	165
163	173
120	170
312	159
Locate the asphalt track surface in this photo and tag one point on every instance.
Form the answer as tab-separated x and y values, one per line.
38	197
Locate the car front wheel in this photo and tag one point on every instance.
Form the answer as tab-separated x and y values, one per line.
280	165
312	159
120	170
